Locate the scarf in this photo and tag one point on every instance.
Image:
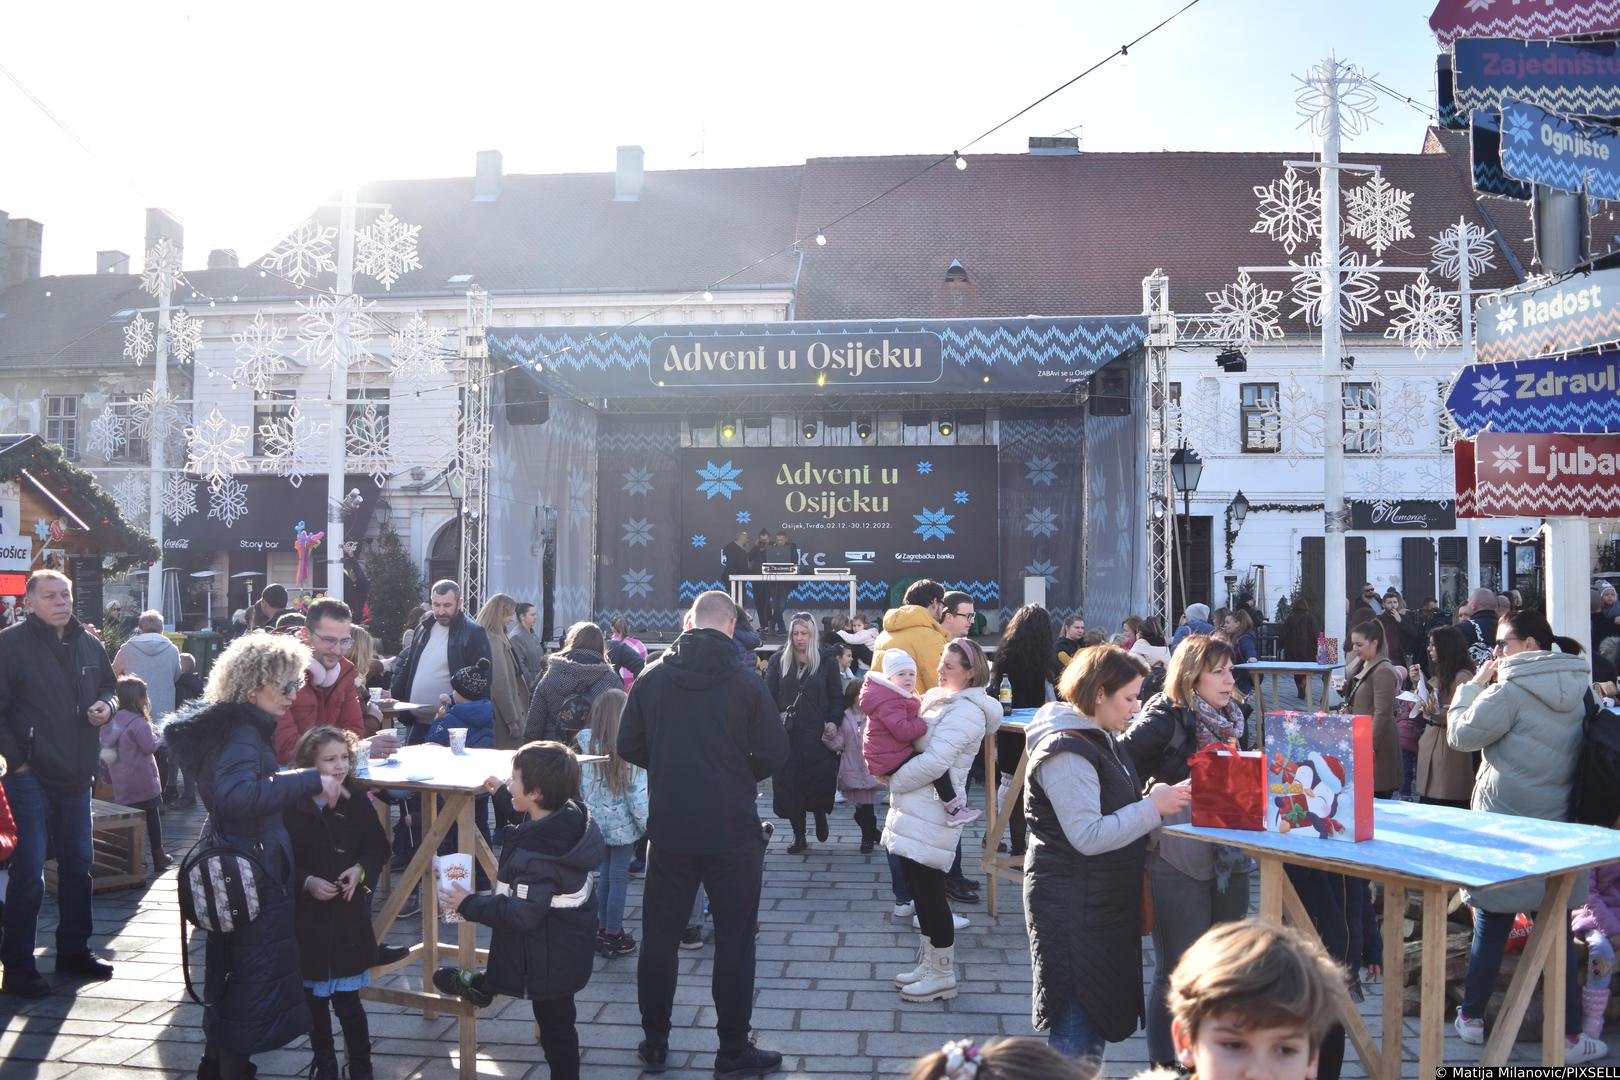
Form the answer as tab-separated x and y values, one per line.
322	676
1212	725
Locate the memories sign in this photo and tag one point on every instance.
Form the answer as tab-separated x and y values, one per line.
785	360
1402	515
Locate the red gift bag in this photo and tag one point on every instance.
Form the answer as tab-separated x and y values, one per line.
1228	788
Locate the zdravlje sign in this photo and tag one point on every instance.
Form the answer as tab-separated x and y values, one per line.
776	360
1577	394
1580	313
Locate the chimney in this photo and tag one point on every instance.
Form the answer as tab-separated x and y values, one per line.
112	262
24	240
223	259
487	180
1054	145
160	225
628	179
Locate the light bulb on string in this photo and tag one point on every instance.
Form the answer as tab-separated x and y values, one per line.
708	297
821	239
961	162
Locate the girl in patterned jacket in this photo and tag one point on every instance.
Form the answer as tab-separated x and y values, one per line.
615	792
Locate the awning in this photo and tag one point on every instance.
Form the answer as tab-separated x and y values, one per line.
270	523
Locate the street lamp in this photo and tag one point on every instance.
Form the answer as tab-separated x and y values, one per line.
1185	469
1237	511
1240	511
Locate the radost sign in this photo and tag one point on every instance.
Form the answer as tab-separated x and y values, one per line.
1582	312
1535	475
738	363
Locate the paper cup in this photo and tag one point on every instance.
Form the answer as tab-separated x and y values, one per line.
376	695
458	740
362	759
451	870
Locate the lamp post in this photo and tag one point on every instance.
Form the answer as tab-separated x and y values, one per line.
1186	467
1237	511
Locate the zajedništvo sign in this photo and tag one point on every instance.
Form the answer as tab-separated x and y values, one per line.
1576	394
1582	312
1566	78
1544	475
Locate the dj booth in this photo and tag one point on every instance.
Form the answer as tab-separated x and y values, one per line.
739	585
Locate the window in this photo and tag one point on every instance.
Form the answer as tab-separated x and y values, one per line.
134	451
1259	412
1448	427
269	407
62	423
1360	418
360	397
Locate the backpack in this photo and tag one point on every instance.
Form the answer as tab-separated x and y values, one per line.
573	715
222	889
1594	798
1154	683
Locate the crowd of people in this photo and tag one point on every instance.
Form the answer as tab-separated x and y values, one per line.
679	746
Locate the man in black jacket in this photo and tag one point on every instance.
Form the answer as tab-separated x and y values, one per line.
706	730
56	688
445	642
736	560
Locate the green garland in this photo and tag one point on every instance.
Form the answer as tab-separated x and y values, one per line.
131	547
1265	508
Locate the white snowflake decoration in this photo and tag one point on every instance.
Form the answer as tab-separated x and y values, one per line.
227	501
1290	211
320	329
155	415
385	249
1437	477
179	498
1194	419
185	336
1463	245
294	445
162	270
1401	410
109	433
1357	101
215	449
1358	289
304	254
139	339
1293	422
1246	312
1423	317
1507	318
1378	214
132	495
417	350
368	447
1379	480
259	358
1505	459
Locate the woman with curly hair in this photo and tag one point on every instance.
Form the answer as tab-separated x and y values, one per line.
253	986
1024	663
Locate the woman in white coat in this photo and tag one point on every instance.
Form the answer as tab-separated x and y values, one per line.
960	715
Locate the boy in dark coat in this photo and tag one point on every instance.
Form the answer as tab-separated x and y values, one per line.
542	911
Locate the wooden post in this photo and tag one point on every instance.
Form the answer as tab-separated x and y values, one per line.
1273	879
1394	975
1532	963
1554	1000
1432	984
462	803
992	832
430	895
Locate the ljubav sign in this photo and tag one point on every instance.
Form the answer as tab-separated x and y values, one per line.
1534	475
1574	394
1580	313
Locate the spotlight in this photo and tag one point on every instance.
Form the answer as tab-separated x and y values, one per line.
863	429
728	430
1232	360
1348	363
947	428
809	428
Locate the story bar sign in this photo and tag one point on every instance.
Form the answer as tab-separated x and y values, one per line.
804	360
1580	313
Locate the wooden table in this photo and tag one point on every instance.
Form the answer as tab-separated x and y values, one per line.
1277	669
739	592
1433	849
996	866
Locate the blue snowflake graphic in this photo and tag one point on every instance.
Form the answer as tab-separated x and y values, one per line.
1516	126
719	480
1041	521
638	582
699	540
960	496
933	524
42	529
925	467
1042	568
637	531
638	481
744	517
1042	470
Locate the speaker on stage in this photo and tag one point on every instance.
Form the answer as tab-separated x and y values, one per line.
1111	391
526	404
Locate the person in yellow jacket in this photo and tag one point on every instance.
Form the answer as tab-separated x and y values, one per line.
929	618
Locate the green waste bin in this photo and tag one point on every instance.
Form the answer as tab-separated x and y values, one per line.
205	645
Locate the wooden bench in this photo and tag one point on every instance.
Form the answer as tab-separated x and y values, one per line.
118	834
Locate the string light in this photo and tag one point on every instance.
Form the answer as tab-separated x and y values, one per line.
961	162
821	239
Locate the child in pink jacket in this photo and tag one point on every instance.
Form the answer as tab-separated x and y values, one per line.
894	728
1597	922
129	750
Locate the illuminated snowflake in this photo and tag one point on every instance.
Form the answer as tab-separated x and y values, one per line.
718	480
1042	521
637	531
179	498
385	249
1356	100
638	481
1290	211
1437	477
185	336
1506	459
294	445
1378	214
699	540
1041	470
156	415
1292	423
933	524
162	271
1423	316
637	582
305	253
1400	414
215	449
227	501
132	494
1358	289
1379	479
139	339
366	445
1246	312
109	433
259	358
744	517
320	329
1463	246
417	350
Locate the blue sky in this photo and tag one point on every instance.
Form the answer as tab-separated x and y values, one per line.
238	118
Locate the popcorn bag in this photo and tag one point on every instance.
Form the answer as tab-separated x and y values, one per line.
1228	788
451	870
1319	774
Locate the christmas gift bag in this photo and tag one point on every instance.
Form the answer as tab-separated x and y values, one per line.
1319	774
1228	788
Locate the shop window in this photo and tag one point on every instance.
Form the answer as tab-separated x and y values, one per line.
362	396
135	450
269	408
1259	424
1360	418
62	423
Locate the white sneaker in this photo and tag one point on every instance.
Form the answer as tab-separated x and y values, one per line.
1470	1031
1584	1048
960	922
904	911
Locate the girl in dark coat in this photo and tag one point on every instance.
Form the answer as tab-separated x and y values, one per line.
252	984
805	684
578	671
338	852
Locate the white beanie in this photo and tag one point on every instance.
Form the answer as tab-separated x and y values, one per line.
897	660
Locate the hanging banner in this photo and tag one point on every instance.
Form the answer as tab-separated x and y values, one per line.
1575	80
1569	317
1462	460
1445	93
745	363
1539	475
1578	394
1453	19
1485	155
1540	147
1402	515
16	545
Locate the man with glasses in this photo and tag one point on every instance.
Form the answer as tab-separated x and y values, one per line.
329	695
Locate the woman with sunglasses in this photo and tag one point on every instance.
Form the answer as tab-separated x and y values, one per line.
253	985
1524	711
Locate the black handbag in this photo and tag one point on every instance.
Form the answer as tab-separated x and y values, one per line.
222	889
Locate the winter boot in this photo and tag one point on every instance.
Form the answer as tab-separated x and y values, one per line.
940	982
1594	1003
906	978
325	1065
357	1052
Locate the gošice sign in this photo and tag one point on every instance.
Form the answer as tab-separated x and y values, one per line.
1579	313
1578	394
1540	147
1453	19
1551	475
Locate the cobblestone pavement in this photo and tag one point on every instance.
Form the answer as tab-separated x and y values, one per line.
825	999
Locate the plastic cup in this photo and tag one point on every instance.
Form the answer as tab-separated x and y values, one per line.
376	695
458	740
362	759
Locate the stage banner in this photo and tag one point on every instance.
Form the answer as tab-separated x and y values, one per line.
1540	147
1453	19
886	513
1540	475
1576	394
1576	80
1576	314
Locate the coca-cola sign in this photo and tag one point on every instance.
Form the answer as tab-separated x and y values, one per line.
1553	475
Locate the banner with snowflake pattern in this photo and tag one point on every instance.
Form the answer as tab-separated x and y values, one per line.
1577	80
1570	394
1571	316
1453	19
1542	475
1540	147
